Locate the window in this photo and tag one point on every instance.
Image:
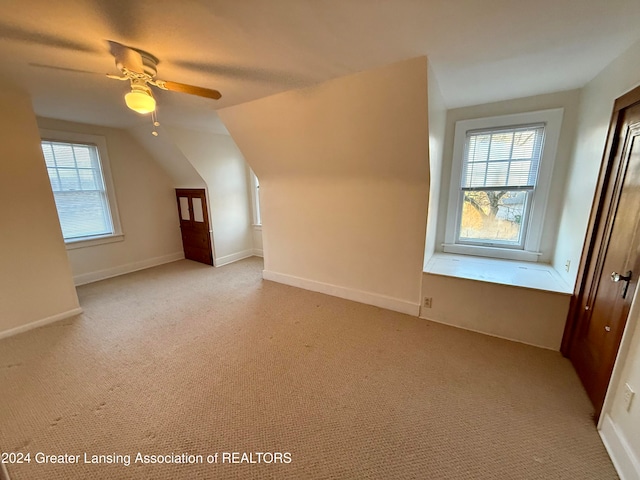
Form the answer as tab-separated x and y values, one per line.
82	189
500	180
255	195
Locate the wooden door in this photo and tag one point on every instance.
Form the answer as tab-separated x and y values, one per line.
194	224
610	264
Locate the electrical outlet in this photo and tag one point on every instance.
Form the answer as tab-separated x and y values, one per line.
628	396
567	265
427	302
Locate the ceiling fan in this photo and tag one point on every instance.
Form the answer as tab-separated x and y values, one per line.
140	69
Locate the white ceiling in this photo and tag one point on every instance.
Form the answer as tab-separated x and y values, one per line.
480	50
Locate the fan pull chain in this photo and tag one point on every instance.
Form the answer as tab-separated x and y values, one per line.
156	123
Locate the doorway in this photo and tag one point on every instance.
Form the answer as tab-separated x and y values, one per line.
194	224
610	264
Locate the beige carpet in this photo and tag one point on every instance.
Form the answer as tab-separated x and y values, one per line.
186	358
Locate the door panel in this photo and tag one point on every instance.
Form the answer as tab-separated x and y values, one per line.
194	224
603	306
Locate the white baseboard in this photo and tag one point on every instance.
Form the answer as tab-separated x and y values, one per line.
126	268
40	323
234	257
360	296
258	252
624	460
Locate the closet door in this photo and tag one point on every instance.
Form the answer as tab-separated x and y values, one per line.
194	224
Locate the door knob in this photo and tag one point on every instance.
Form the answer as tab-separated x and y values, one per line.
616	277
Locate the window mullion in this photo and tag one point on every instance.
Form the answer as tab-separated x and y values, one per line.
75	162
486	167
55	163
513	140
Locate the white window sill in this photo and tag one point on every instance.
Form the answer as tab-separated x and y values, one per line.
536	276
494	252
93	241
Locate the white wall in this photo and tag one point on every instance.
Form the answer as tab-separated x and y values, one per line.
437	127
258	248
621	429
344	182
168	156
218	161
596	105
146	204
569	100
526	315
35	279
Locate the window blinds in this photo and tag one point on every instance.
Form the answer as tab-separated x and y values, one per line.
502	159
78	188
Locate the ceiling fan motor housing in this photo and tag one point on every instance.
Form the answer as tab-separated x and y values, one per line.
150	63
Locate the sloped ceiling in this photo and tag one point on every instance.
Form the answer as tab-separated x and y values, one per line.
480	50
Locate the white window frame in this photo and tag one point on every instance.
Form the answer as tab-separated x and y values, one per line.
533	230
101	144
255	199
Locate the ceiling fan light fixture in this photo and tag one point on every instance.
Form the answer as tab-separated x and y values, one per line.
140	99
